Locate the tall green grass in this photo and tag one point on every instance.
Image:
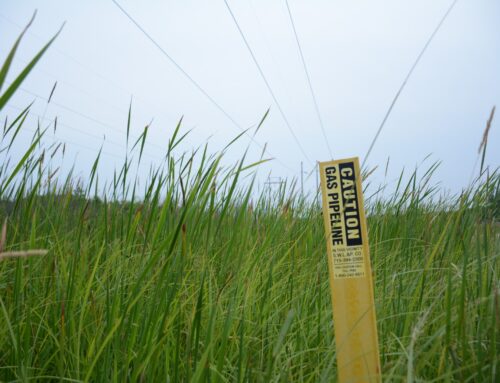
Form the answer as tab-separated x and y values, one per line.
193	275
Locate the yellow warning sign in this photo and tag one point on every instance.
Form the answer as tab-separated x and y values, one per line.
350	272
344	220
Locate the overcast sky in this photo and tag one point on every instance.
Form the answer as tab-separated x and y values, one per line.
357	52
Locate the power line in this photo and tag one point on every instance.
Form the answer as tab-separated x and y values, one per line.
438	27
270	52
85	116
309	80
117	86
187	75
63	140
70	127
71	58
193	81
90	70
96	121
52	120
266	82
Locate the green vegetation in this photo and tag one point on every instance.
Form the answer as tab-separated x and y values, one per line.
193	276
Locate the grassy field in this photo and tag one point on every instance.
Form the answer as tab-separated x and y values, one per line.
194	276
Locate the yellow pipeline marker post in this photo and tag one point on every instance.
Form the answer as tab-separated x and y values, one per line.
350	272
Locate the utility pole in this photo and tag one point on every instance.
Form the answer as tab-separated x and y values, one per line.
273	181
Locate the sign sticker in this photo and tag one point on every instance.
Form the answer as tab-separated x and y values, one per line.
343	215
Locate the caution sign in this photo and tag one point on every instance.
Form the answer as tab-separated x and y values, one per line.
344	220
350	272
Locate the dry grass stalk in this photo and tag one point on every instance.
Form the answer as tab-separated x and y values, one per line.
3	236
22	254
484	141
15	254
